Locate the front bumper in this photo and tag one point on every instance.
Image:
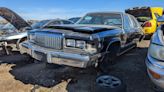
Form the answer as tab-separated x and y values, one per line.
58	57
153	65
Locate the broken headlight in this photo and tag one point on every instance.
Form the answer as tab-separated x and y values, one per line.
80	44
75	43
70	43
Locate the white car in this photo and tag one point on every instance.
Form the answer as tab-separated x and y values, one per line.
155	58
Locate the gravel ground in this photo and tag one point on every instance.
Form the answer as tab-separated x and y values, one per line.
18	72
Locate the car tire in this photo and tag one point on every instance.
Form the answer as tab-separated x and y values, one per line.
108	58
108	83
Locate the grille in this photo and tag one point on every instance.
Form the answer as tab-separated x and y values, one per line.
49	40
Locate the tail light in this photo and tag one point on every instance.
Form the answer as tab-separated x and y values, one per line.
147	24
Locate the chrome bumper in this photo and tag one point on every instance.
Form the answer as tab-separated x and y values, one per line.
57	57
152	65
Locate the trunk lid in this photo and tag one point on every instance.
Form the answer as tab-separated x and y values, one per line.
89	29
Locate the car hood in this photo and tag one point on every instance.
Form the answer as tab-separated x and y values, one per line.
13	18
89	29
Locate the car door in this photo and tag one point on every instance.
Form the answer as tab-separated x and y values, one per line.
137	29
128	29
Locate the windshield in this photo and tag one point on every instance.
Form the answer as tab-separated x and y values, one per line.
102	19
39	24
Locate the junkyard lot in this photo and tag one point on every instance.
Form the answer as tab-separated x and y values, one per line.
18	74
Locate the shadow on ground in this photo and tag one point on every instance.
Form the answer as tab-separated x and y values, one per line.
130	67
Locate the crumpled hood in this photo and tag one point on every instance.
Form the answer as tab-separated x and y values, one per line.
89	29
13	18
85	32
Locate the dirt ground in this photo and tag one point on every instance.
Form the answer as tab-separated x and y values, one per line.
19	74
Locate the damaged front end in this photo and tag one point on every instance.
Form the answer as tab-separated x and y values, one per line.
64	47
14	30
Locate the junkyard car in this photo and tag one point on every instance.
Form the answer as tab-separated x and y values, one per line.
155	58
95	39
147	16
16	30
74	19
43	23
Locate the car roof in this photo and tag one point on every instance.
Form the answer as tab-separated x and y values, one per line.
106	12
54	20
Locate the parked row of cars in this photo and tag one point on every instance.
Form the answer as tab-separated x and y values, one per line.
94	40
16	30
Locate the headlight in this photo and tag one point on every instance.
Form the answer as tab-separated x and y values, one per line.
70	43
156	51
75	43
80	44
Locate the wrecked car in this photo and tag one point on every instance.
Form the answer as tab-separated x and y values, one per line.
95	40
155	58
14	30
75	19
44	23
147	16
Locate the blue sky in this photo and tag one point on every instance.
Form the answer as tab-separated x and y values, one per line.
45	9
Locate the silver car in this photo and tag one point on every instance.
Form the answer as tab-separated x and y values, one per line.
155	58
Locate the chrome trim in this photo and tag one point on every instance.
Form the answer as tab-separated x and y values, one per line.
49	40
58	57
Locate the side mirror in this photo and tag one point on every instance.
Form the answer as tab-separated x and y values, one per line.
160	19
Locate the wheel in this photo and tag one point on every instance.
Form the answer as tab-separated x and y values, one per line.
108	83
109	57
